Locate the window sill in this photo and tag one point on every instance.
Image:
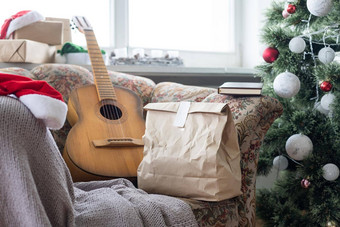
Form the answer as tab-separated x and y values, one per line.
212	77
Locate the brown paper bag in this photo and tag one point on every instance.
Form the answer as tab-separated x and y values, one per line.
190	150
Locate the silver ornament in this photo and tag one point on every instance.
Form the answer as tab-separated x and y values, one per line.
318	106
330	172
286	85
280	162
327	100
297	45
299	146
319	8
326	55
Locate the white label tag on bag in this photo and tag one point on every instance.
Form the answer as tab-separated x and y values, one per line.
182	114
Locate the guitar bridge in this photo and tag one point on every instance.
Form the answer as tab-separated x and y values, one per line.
118	142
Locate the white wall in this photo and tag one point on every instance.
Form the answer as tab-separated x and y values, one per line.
252	23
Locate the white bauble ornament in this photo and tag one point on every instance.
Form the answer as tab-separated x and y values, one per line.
318	106
280	162
297	45
330	172
327	100
286	85
319	8
326	55
285	14
299	146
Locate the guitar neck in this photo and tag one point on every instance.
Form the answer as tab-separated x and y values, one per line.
102	80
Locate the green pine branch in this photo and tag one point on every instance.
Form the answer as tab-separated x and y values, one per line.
288	203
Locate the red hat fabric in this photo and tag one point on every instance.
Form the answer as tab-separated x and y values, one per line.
44	101
19	20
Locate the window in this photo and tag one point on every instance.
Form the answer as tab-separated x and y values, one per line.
203	31
191	25
97	14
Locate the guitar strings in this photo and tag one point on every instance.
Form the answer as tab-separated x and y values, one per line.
108	112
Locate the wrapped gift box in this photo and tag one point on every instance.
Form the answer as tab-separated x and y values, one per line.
67	36
49	32
26	51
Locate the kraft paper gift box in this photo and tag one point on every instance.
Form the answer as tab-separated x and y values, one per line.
26	51
67	36
49	32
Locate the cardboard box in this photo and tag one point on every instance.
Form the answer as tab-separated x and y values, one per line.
49	32
26	51
67	36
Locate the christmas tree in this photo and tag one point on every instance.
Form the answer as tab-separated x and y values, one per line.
301	71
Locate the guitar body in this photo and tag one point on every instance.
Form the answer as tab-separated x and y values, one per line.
89	151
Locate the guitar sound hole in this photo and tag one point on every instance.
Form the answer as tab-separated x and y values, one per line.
111	112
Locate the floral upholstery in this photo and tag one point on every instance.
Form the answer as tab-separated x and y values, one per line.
66	78
16	71
142	86
252	115
174	92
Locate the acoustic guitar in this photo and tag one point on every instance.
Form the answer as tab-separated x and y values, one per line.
106	138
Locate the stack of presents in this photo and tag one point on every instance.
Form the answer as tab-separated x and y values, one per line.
31	38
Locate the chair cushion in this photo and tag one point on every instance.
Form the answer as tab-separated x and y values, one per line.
174	92
223	213
140	85
17	71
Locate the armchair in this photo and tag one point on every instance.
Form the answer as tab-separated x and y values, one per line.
253	115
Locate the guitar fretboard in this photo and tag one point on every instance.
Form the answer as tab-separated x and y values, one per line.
101	77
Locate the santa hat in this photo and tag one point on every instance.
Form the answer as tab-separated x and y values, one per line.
19	20
44	101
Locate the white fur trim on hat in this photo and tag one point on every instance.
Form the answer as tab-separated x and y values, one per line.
52	111
28	18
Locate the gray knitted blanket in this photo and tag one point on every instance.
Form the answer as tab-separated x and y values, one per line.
36	188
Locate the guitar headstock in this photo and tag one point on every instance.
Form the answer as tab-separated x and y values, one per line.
81	23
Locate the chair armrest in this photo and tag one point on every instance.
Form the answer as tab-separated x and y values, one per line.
16	71
64	78
253	115
175	92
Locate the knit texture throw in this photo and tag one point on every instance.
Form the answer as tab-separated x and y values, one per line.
36	187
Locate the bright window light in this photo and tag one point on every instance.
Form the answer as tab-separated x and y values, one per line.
97	13
192	25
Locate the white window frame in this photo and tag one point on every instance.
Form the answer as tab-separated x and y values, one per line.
119	38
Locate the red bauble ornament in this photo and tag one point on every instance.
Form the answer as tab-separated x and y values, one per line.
270	54
326	86
305	183
291	8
